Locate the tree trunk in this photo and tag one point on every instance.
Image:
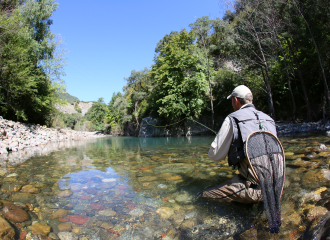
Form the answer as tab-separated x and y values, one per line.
289	84
309	116
266	79
211	96
326	89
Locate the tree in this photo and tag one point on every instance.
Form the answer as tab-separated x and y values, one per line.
136	91
27	90
202	29
254	38
180	81
97	115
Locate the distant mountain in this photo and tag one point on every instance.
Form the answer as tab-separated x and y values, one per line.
69	98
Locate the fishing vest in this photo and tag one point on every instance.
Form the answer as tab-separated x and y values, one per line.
246	121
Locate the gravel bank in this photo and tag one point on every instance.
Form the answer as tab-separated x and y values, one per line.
21	139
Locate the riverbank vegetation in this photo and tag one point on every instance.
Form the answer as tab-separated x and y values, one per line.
31	61
277	48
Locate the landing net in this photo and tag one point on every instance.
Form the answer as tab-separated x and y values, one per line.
266	156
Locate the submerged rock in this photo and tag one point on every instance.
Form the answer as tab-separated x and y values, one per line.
40	229
165	212
319	229
315	212
174	168
6	231
184	198
14	213
107	212
67	236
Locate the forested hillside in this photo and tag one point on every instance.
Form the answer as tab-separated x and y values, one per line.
31	61
67	97
279	49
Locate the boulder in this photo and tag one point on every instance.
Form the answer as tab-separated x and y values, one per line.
14	213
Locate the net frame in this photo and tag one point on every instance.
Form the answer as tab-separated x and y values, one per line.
274	221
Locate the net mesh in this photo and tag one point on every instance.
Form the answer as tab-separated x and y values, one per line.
267	158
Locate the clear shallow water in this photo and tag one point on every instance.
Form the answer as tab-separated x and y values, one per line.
150	188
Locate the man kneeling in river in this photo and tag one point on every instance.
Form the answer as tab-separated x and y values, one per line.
243	187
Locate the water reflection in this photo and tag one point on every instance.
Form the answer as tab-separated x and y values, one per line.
149	188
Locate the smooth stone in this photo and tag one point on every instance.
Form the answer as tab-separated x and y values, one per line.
65	193
30	189
64	227
105	185
137	212
165	212
52	235
190	214
320	190
12	175
60	213
76	230
313	179
147	179
324	154
11	187
174	168
79	207
77	219
165	175
6	231
41	229
188	224
178	217
97	207
326	174
67	236
107	212
315	212
291	220
174	178
162	186
183	198
289	154
14	213
107	225
249	234
92	191
107	180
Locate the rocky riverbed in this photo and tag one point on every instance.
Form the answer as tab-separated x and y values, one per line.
132	188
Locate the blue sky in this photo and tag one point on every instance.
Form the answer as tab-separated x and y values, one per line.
107	39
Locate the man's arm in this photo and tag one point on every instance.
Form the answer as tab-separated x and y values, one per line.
221	144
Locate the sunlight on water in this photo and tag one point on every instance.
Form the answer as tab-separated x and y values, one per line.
150	188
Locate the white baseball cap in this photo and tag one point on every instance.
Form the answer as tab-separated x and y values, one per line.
240	92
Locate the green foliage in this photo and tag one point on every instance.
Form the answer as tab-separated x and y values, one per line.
268	45
179	78
28	87
69	98
97	115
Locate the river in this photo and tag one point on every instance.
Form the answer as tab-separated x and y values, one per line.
150	188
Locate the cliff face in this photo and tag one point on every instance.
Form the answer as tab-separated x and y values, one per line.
69	108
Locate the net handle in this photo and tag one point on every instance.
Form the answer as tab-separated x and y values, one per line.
249	161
